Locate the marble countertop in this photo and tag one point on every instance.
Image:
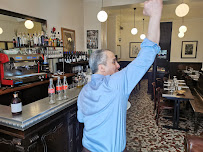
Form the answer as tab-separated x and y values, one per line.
36	112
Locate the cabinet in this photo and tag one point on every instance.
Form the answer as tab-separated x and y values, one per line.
59	133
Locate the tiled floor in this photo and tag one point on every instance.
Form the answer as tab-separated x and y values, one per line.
143	135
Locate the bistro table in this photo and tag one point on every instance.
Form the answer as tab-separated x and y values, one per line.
186	96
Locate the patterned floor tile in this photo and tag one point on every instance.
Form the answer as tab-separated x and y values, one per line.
143	135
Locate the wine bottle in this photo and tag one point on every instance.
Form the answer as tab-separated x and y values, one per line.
16	105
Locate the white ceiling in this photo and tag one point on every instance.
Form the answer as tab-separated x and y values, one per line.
127	11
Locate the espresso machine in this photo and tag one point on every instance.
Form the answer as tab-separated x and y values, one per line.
19	69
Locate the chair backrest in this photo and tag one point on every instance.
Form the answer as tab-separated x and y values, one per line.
154	91
158	94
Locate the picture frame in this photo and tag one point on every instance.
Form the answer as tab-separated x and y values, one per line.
92	39
189	49
68	37
134	49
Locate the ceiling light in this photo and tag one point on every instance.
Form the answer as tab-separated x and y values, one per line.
102	15
134	30
183	29
1	30
182	10
181	35
29	24
142	36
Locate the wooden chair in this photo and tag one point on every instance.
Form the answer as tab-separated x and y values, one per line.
194	143
154	96
162	104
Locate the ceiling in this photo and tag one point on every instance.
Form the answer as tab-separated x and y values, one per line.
168	13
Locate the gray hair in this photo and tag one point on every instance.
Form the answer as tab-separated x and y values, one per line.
96	58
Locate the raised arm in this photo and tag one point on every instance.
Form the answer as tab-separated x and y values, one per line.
153	9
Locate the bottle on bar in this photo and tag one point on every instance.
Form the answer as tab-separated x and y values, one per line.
14	42
51	92
65	88
59	89
16	105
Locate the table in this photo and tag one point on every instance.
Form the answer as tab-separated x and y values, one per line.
177	98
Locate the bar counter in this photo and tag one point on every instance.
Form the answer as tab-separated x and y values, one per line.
35	112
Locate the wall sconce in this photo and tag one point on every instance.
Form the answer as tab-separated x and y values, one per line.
134	30
182	10
69	39
102	15
29	24
1	30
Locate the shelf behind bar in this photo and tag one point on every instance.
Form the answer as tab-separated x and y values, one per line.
29	85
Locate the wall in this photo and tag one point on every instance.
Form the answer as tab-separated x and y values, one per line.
194	33
60	13
91	8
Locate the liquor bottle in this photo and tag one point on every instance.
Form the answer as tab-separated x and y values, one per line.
18	43
58	40
14	42
39	39
65	88
46	40
32	41
28	40
16	105
59	89
35	39
51	92
42	38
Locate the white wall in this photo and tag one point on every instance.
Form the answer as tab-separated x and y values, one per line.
91	8
194	33
61	13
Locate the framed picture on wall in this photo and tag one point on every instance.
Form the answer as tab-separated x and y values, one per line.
92	39
189	49
134	49
68	37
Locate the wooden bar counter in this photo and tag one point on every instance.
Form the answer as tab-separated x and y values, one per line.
42	127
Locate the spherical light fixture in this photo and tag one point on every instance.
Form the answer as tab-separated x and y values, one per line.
29	24
181	35
1	30
102	16
183	29
182	10
134	31
142	36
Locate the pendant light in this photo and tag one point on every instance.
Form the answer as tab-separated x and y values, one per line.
29	24
181	35
142	36
102	15
183	28
1	30
134	30
182	10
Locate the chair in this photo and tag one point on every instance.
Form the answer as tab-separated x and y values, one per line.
194	143
162	104
154	95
